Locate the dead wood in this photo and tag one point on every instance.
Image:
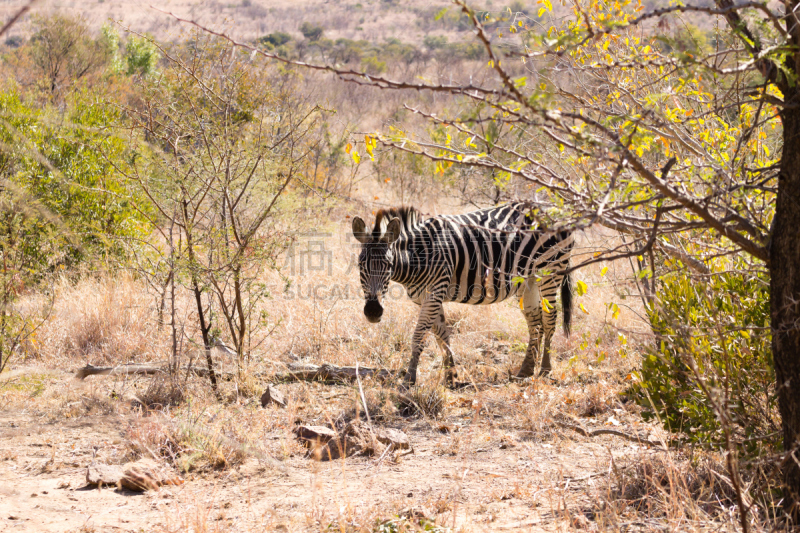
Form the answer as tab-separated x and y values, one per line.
139	476
614	432
135	369
330	373
326	444
296	372
138	369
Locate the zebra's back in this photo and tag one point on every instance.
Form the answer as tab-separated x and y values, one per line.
483	254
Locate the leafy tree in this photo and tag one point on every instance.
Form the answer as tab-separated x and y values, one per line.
435	42
223	143
63	50
311	32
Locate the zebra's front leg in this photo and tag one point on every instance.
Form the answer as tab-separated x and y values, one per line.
442	333
427	316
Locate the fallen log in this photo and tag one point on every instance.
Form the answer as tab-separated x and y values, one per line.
296	372
330	373
597	432
135	369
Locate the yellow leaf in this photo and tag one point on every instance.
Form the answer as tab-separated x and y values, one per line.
603	271
583	308
369	145
355	156
581	288
348	148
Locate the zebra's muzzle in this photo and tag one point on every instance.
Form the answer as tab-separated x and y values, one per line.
373	311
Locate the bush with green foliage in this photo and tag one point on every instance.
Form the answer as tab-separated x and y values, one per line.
141	56
65	163
712	359
311	32
435	42
373	65
274	40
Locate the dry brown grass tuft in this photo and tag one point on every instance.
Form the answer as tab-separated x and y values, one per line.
426	400
674	490
188	445
162	392
102	321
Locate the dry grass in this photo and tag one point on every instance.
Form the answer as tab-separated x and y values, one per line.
180	423
99	321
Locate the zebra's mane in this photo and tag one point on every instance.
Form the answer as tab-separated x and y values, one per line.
408	215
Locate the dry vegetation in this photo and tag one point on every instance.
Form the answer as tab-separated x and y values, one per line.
489	457
497	454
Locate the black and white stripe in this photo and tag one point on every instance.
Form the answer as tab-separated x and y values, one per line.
478	258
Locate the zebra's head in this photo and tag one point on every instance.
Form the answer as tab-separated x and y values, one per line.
375	261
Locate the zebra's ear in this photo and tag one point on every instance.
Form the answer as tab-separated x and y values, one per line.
392	231
360	230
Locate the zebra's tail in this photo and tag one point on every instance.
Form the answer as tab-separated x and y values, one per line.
566	301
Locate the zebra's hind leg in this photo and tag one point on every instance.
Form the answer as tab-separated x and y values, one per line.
532	309
549	291
442	332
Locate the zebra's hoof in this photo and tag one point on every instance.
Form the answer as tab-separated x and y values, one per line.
524	373
544	372
408	382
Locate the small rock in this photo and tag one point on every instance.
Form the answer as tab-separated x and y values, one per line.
97	474
344	446
325	444
393	437
272	395
139	480
146	475
314	434
138	477
322	442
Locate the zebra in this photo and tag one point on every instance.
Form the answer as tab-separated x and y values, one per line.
478	258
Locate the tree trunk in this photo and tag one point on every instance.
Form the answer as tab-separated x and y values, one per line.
785	305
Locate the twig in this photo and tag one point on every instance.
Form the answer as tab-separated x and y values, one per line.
363	400
16	16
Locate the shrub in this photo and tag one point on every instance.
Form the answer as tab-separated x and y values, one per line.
373	65
141	56
274	40
311	32
713	357
435	42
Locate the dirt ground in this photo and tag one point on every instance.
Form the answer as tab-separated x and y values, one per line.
476	476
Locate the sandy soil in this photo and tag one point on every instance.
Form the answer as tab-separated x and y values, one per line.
462	479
